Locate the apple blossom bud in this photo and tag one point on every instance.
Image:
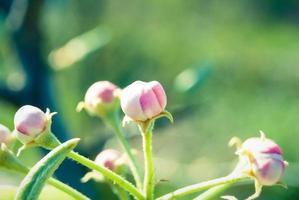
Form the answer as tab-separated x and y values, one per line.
100	99
141	101
268	168
101	91
29	122
261	145
4	133
266	159
109	158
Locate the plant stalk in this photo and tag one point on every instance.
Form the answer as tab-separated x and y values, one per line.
212	192
67	189
114	122
148	164
115	178
202	186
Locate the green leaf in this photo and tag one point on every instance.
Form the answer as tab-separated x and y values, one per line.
33	183
8	192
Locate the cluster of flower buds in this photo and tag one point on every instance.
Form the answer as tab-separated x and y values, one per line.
142	102
262	160
101	98
110	159
4	133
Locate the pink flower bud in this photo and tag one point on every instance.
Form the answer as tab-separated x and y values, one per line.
4	133
109	158
101	91
143	100
266	159
29	122
268	168
261	145
100	99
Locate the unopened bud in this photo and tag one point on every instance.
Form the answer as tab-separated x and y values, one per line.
33	127
29	122
266	159
100	98
110	159
141	101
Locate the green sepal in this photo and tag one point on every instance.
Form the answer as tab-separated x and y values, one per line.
282	184
32	185
166	114
147	126
47	140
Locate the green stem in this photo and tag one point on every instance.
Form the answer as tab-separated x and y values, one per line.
108	174
212	192
67	189
148	164
114	122
121	193
201	186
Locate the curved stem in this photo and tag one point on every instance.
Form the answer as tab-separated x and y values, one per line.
148	164
212	192
114	122
67	189
202	186
108	174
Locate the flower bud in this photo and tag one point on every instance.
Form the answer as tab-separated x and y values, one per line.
109	158
265	157
261	145
141	101
29	122
268	168
101	91
100	98
4	133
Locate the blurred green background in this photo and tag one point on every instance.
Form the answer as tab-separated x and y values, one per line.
230	68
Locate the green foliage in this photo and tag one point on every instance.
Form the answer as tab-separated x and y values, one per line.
33	183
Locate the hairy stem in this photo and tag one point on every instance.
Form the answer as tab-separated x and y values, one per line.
114	122
115	178
212	192
148	164
202	186
67	189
